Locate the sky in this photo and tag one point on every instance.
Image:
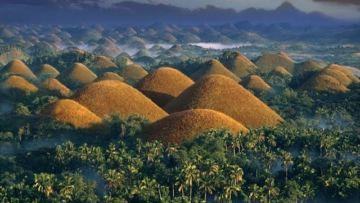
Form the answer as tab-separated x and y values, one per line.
344	9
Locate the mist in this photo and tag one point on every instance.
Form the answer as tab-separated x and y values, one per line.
6	107
221	46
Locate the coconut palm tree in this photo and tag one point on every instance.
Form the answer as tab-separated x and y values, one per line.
44	183
286	162
230	190
271	189
67	188
113	178
206	184
191	174
294	191
236	174
255	194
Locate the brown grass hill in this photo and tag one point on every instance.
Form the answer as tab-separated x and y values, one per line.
133	72
168	38
123	60
107	47
281	71
164	85
324	83
55	86
48	71
341	73
223	94
18	84
308	66
70	112
269	61
111	96
213	67
17	67
142	53
184	126
110	76
239	64
135	42
6	33
81	75
256	83
103	62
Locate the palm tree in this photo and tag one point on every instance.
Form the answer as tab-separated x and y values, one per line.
268	158
153	150
294	191
230	190
286	162
67	188
236	143
191	175
271	189
255	194
113	178
236	174
44	183
206	183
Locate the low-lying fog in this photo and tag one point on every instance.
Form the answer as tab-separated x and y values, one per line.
221	46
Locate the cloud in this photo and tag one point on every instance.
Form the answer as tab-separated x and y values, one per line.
61	3
27	2
342	2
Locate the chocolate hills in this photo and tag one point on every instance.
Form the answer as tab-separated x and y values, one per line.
111	96
133	72
223	94
123	60
239	64
325	83
70	112
186	125
107	47
81	75
343	74
308	66
333	78
103	62
164	85
256	83
18	84
48	71
17	67
55	86
110	76
269	61
281	71
213	67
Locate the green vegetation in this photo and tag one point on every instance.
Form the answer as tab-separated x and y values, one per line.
314	156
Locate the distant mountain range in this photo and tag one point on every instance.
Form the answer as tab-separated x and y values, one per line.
143	13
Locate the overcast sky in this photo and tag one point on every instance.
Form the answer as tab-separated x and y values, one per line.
347	9
337	8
